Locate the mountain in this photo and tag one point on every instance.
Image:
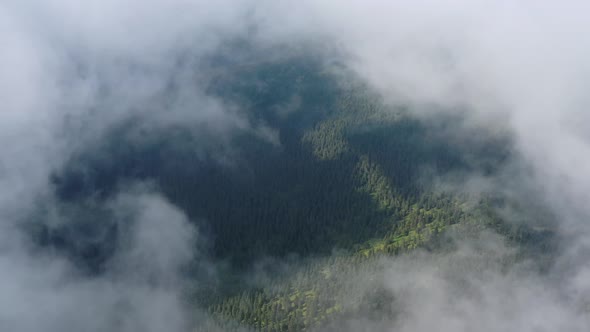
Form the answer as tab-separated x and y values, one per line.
331	181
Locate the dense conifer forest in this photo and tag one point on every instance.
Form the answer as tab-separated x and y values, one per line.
285	166
337	182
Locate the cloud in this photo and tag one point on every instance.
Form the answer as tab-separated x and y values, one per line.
71	71
141	289
520	66
467	291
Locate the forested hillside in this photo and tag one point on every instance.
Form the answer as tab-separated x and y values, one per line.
338	181
285	166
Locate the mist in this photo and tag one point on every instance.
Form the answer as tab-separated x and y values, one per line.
71	72
520	66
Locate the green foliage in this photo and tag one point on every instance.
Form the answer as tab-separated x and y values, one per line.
349	181
346	174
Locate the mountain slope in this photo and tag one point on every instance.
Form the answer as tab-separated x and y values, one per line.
334	169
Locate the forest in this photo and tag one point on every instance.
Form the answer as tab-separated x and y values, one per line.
286	166
345	181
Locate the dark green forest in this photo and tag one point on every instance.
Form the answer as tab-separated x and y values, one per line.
343	181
